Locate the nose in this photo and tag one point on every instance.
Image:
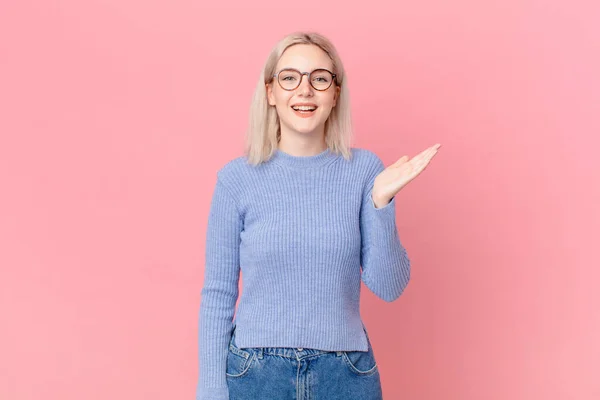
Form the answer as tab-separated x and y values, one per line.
305	88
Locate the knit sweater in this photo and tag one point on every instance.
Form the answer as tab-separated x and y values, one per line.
299	229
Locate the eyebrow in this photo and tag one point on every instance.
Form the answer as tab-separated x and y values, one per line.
311	70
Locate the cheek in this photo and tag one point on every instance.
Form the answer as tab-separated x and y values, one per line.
282	106
282	100
327	103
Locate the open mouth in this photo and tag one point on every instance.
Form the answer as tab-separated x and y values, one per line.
304	111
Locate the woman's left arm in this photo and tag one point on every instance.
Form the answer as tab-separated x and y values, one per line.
385	263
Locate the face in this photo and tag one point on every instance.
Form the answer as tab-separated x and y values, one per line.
305	58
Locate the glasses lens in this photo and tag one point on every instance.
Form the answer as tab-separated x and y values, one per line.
321	79
289	79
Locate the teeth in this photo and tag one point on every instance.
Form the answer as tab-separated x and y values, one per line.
304	108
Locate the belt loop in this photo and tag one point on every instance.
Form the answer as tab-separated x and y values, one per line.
260	353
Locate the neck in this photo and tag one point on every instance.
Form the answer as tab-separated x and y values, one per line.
302	144
316	159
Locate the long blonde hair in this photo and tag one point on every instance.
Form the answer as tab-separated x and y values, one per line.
264	130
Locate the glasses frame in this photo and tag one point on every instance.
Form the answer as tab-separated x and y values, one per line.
308	75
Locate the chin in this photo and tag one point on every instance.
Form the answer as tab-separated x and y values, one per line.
306	131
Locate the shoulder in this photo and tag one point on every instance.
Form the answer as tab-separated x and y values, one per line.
234	172
232	168
229	177
366	158
368	165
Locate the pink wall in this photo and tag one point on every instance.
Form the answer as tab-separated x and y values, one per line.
116	115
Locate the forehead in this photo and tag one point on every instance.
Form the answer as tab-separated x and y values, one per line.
304	57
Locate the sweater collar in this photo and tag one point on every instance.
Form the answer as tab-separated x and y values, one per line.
314	161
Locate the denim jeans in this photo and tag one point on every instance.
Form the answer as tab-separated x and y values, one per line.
285	373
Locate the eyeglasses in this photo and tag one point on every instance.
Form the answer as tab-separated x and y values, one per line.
290	78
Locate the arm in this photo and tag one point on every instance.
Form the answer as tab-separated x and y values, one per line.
385	264
219	294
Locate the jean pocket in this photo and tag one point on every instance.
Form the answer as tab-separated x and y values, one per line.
361	362
239	361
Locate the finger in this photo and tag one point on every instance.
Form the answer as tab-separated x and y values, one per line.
433	151
431	154
425	160
429	157
423	155
424	152
400	161
421	167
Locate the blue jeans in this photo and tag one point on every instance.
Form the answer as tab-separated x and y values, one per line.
285	373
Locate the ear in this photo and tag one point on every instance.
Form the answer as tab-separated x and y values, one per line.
336	94
270	97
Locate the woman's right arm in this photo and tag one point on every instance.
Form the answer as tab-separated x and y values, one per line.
219	293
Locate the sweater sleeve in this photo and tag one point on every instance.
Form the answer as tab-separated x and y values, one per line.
385	264
219	293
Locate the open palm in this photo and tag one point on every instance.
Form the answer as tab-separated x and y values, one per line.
396	176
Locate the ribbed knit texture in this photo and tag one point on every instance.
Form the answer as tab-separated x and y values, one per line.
298	229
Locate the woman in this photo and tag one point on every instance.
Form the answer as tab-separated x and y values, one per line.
299	215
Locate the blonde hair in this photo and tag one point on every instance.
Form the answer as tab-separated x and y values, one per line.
264	130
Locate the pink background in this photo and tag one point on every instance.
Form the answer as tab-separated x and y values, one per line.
116	115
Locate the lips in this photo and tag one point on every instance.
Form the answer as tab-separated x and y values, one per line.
304	114
304	110
304	106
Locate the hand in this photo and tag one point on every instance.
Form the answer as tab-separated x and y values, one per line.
396	176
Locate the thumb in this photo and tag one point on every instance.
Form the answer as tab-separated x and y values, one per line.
400	161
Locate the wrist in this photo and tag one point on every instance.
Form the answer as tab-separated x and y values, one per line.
380	201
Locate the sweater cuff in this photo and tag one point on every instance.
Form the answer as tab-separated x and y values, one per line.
213	394
388	205
382	221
